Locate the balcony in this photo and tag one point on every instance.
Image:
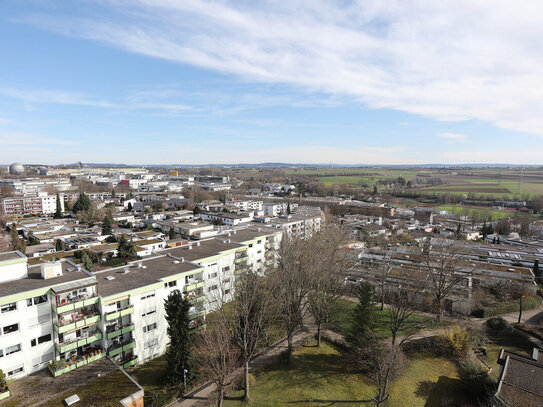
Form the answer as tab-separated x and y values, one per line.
110	316
240	271
193	285
82	340
71	303
196	312
270	246
65	324
59	367
121	347
241	259
117	331
131	361
196	296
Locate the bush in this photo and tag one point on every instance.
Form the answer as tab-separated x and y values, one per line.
163	398
475	380
457	339
507	307
3	382
498	324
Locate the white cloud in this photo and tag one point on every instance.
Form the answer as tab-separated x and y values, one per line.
448	60
453	138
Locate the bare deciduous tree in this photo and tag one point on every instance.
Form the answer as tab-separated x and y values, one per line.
292	280
329	265
216	356
443	273
402	305
249	319
387	361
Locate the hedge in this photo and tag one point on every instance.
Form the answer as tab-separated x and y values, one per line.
507	307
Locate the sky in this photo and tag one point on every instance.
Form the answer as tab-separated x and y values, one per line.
303	81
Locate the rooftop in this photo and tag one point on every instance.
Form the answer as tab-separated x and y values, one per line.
35	281
152	271
7	256
207	248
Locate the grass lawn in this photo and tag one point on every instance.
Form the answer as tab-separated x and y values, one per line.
149	376
340	319
319	377
512	341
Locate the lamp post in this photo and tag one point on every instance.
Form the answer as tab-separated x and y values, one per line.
185	371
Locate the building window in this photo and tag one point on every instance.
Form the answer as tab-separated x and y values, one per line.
213	275
42	299
44	338
225	269
13	349
8	307
250	245
151	343
150	327
147	296
227	291
170	284
10	329
148	312
212	288
14	371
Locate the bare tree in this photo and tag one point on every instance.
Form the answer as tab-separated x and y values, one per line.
400	314
382	270
292	282
330	263
249	319
443	273
216	355
386	362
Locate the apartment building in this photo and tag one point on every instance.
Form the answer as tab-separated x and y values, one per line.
33	185
60	316
245	205
40	203
277	209
225	218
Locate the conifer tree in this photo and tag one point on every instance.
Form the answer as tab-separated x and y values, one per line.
178	354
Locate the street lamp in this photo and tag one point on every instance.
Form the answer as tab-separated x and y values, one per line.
185	371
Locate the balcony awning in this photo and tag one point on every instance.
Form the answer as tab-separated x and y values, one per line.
74	285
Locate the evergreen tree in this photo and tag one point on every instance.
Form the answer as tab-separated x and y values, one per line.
126	249
83	203
60	245
107	226
3	382
171	234
196	210
58	212
113	193
16	242
129	207
288	209
178	354
361	335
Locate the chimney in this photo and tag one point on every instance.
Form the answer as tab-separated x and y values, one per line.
140	265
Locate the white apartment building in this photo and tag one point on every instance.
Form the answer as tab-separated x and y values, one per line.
245	205
33	185
39	204
276	209
60	316
228	219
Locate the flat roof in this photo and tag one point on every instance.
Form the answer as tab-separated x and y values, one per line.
34	280
7	256
207	248
244	235
156	268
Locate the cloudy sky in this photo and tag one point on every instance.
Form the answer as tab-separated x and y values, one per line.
195	82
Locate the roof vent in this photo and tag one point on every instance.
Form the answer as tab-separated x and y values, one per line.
190	247
197	243
126	270
182	259
140	265
109	278
176	262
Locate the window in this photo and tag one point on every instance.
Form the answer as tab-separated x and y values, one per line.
14	371
42	299
147	312
226	281
10	329
150	327
147	296
151	343
170	284
260	251
212	288
44	338
251	245
225	269
213	275
227	291
13	349
260	241
8	307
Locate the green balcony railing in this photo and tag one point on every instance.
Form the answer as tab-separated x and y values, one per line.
241	259
77	324
110	316
194	286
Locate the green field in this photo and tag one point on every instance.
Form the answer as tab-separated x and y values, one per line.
492	182
321	377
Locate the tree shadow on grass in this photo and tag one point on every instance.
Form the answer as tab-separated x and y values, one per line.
446	392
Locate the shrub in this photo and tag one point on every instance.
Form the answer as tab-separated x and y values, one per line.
498	324
507	307
475	381
252	379
3	382
163	398
457	338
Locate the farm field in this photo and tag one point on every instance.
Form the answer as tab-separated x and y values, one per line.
492	182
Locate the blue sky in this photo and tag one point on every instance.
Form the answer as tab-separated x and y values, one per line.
195	82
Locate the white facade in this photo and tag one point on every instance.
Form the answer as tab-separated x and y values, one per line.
41	203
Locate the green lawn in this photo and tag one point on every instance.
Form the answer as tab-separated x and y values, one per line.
340	319
320	377
513	342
